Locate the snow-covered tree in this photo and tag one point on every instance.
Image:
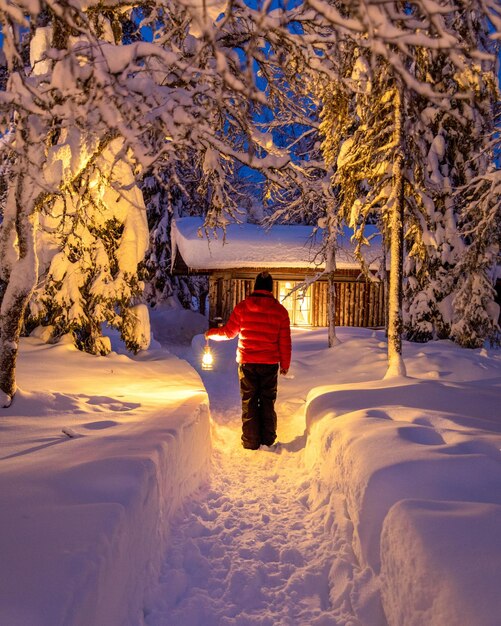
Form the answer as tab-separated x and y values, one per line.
404	50
19	264
90	245
189	90
454	145
175	195
367	137
360	137
476	313
92	233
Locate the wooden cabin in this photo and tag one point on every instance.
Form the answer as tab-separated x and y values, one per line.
291	255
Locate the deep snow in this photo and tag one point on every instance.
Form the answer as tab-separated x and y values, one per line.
367	514
252	245
381	505
84	518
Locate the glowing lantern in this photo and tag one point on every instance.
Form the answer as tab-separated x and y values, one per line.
207	358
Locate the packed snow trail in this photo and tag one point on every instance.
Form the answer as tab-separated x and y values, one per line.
247	550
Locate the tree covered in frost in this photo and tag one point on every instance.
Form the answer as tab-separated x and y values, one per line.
422	92
476	314
189	91
307	197
175	195
366	137
90	248
92	233
377	69
181	190
450	253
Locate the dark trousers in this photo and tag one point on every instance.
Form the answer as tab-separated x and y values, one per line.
258	388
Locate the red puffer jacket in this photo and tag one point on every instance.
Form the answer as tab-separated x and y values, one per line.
264	329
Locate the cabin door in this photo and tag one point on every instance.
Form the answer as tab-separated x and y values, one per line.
298	304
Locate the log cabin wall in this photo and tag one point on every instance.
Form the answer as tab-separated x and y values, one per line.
358	303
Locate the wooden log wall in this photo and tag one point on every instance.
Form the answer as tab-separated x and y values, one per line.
213	301
242	288
358	303
224	293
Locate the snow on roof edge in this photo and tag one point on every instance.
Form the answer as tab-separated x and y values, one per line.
253	246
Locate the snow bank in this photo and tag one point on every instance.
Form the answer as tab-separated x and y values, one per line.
416	462
84	515
174	325
402	478
445	564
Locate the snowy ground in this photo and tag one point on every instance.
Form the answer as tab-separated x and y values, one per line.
248	549
293	538
381	506
84	518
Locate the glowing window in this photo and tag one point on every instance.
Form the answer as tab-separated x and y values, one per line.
297	303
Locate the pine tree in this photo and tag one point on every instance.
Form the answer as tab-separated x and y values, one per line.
95	228
98	234
476	314
372	171
436	125
454	146
166	200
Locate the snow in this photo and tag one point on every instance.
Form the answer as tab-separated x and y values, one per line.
141	331
68	157
5	399
453	529
39	44
125	203
381	505
203	14
96	457
251	245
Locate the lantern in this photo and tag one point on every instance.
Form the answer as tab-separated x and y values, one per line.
207	358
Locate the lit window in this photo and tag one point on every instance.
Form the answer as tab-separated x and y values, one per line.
297	303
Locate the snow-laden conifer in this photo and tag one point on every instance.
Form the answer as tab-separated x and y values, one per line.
93	241
358	136
174	195
446	249
372	177
476	314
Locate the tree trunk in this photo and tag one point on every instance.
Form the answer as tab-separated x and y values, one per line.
331	288
386	287
19	260
330	267
396	365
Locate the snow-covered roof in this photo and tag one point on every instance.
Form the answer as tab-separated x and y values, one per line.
253	246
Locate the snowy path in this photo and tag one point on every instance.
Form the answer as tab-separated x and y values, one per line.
248	550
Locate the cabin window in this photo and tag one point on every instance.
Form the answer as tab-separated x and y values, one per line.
298	303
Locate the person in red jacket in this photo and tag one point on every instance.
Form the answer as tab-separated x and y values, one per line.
264	349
